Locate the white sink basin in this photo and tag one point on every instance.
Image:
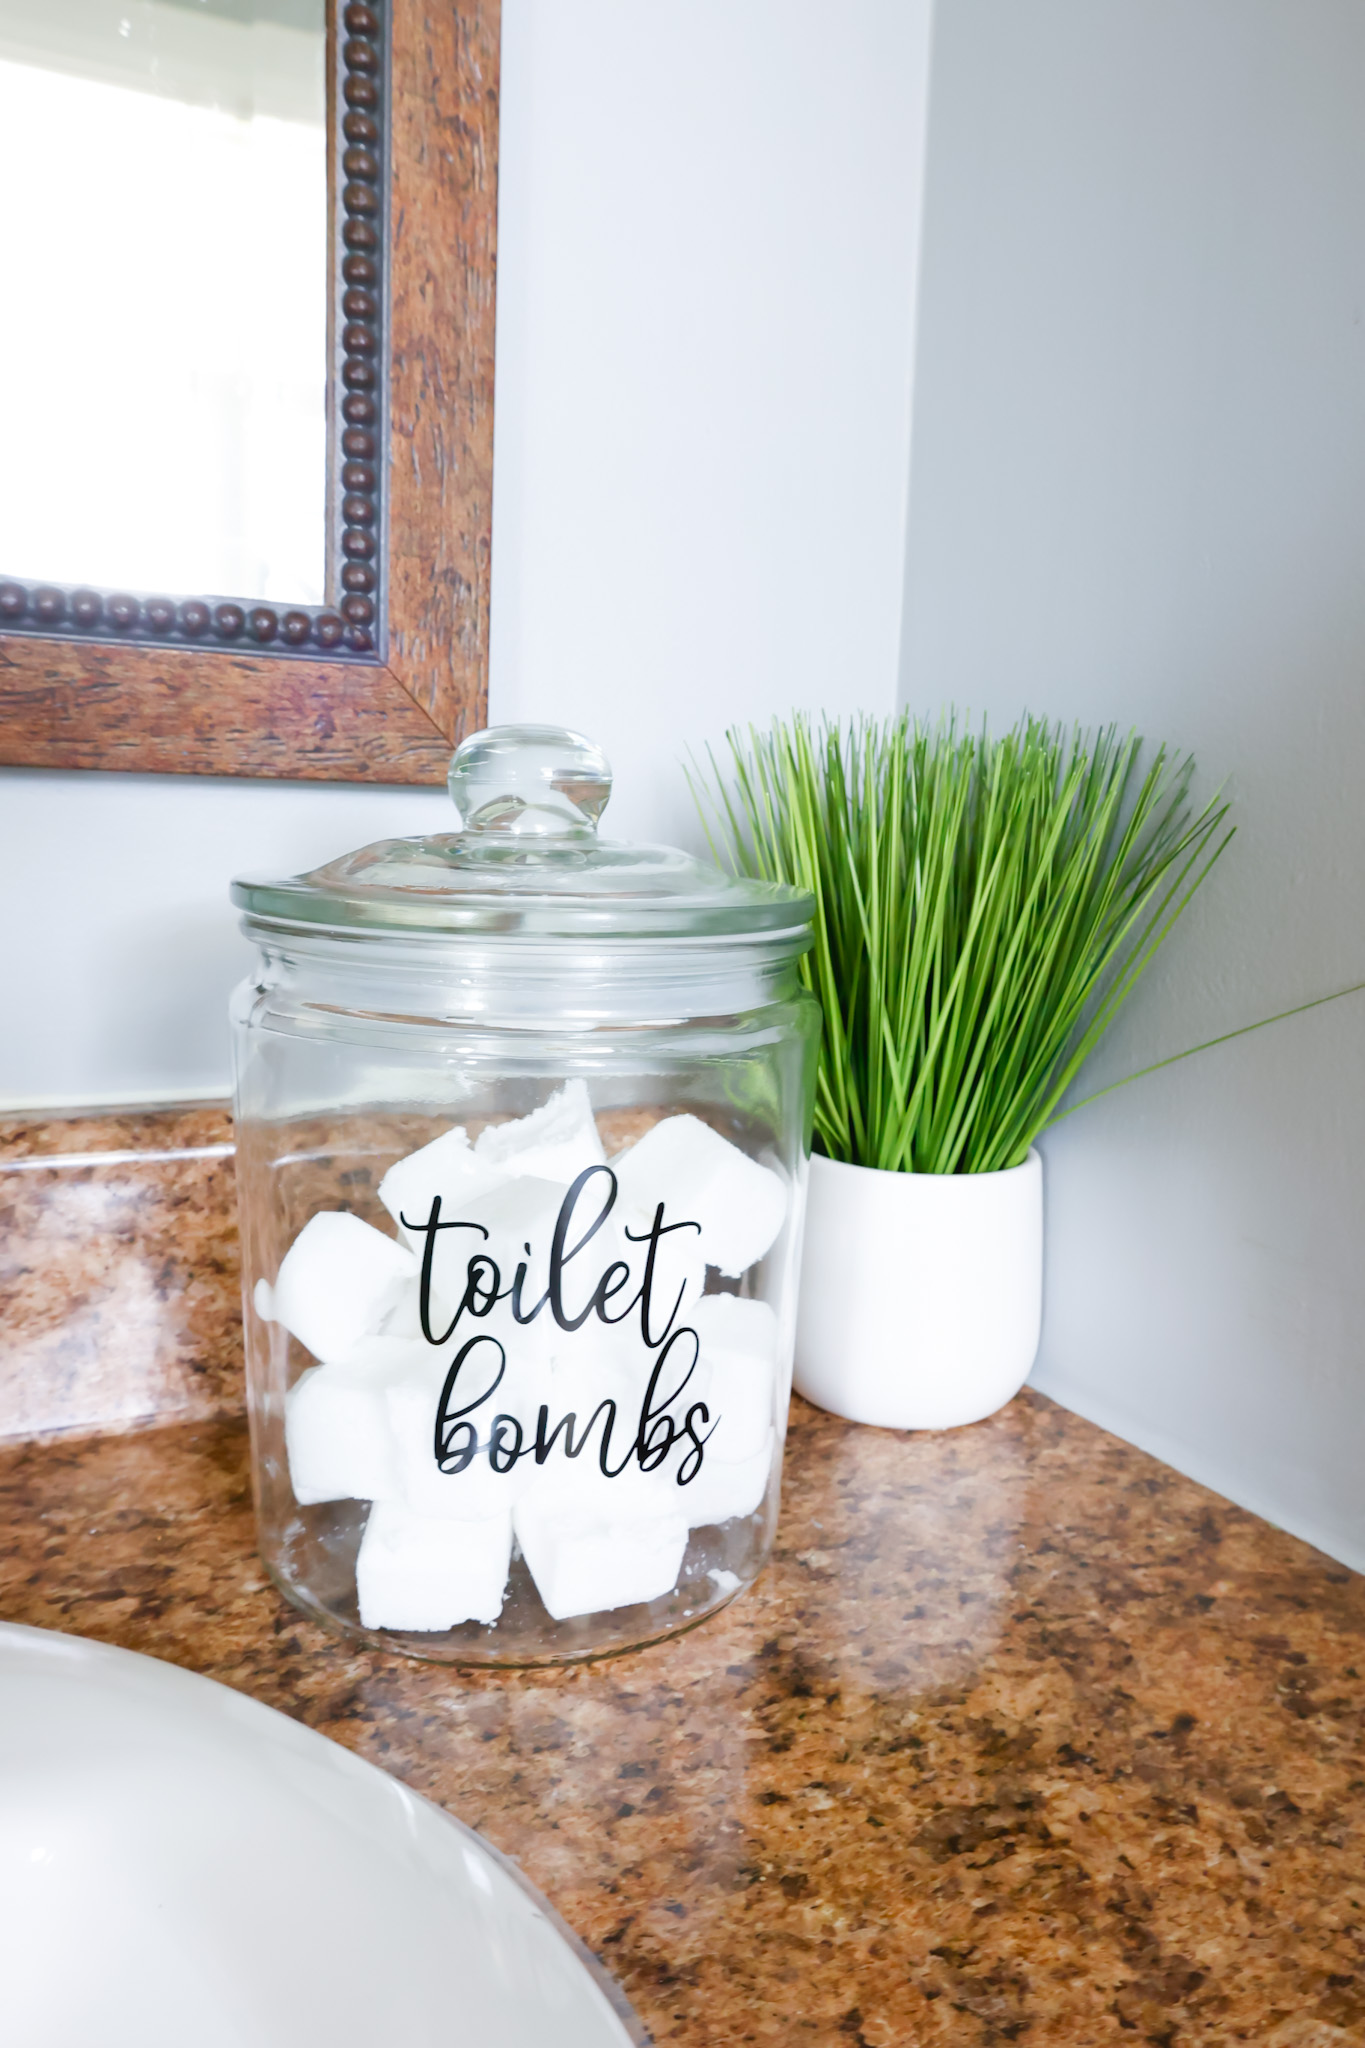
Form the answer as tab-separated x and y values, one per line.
181	1867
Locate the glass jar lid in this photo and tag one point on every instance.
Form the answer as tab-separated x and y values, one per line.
528	863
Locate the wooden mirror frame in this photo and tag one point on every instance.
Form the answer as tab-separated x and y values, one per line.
379	684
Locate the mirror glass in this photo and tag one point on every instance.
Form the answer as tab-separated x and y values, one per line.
164	358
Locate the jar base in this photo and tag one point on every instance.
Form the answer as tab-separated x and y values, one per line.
474	1646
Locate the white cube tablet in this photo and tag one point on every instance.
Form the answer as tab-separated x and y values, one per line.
403	1319
625	1494
582	1566
470	1487
447	1167
724	1492
336	1433
737	1373
338	1282
700	1177
521	1212
677	1277
425	1575
482	1243
555	1142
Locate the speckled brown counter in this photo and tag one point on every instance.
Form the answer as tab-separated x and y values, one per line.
119	1277
1021	1737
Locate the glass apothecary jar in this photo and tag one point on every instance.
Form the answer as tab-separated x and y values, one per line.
523	1122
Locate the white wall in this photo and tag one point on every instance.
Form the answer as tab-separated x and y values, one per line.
121	946
707	254
708	224
1138	493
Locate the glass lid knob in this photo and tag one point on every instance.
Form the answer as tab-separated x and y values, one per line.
529	781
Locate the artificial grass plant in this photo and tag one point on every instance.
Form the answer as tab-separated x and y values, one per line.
983	908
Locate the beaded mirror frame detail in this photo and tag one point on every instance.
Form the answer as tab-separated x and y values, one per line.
377	683
352	625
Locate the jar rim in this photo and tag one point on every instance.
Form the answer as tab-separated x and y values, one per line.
769	913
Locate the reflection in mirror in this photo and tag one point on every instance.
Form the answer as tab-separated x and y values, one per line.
165	366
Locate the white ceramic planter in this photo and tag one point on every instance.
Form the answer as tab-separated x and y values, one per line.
921	1293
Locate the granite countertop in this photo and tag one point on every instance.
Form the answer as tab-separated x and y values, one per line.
1020	1737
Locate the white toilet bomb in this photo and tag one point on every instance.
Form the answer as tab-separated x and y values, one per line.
413	1573
737	1373
338	1282
521	1212
336	1433
582	1565
627	1495
728	1492
555	1142
701	1177
512	1182
447	1167
594	1365
471	1490
336	1423
738	1390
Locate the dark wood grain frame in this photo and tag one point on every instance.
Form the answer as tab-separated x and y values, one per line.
379	683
